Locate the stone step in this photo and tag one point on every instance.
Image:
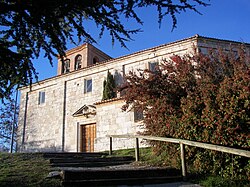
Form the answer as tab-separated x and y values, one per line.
90	164
86	160
111	173
122	182
90	159
72	155
99	177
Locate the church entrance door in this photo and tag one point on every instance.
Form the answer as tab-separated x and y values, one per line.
88	135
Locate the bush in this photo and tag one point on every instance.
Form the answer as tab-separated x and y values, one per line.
198	97
109	87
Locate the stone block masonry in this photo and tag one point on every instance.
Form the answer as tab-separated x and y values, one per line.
66	113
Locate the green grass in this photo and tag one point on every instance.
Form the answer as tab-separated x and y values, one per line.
211	181
145	154
25	169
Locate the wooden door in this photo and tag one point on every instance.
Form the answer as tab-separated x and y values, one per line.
88	134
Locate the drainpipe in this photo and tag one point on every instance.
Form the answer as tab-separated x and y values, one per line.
24	120
77	141
64	115
13	124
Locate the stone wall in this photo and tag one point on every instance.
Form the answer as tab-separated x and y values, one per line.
51	126
40	125
111	120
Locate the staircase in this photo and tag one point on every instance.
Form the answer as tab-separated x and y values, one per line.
85	160
99	169
121	176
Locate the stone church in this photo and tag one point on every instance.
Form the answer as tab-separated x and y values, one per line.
66	112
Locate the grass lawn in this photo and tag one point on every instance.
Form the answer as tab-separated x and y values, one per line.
25	169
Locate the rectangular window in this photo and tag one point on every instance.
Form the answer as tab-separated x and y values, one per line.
123	71
152	66
88	85
138	115
41	98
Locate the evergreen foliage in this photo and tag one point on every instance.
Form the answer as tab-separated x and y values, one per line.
7	112
109	87
203	98
31	27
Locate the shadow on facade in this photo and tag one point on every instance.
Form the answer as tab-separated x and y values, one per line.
40	146
119	79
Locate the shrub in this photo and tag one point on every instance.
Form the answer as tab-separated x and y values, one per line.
198	97
109	87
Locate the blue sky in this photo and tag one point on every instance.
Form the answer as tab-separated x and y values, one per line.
223	19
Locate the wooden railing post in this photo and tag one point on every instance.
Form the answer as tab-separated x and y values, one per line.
137	151
110	145
182	143
183	162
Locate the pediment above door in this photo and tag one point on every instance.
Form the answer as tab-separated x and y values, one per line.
86	111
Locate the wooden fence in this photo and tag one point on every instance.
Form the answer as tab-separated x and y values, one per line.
182	143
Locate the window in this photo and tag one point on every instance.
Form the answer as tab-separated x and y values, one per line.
95	60
152	66
87	85
138	115
66	66
78	62
41	98
123	71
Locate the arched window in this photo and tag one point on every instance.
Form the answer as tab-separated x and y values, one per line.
66	66
95	60
78	62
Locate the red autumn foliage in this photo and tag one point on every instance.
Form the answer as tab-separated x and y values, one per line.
200	97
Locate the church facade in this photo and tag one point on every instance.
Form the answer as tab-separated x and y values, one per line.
67	113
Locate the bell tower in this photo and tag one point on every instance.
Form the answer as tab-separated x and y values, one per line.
81	57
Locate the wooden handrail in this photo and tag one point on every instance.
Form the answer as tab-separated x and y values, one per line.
182	142
220	148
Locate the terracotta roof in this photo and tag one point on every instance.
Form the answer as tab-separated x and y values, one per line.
80	47
222	40
152	48
108	100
